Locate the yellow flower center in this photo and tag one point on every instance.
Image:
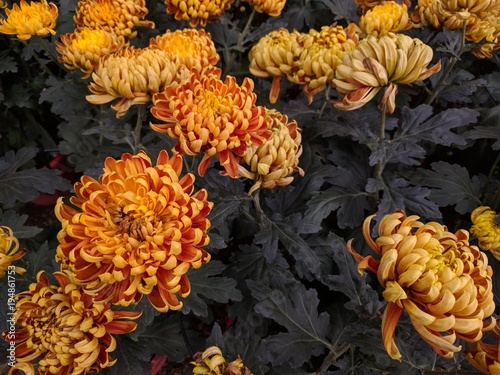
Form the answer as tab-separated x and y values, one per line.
388	13
90	39
104	11
181	46
215	103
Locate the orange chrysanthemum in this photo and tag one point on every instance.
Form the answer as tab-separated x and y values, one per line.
272	163
193	48
64	329
211	362
136	231
270	7
486	228
133	76
385	18
486	356
118	16
84	48
9	251
26	20
366	5
210	116
197	12
442	282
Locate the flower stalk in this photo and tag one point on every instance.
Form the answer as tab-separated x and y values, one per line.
241	38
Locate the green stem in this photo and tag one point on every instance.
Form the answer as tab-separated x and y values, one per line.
141	116
326	100
448	69
241	39
258	208
332	357
379	168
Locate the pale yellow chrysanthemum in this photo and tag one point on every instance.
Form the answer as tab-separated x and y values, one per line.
26	20
193	48
486	228
270	7
84	48
9	252
272	163
118	16
437	277
320	54
381	63
384	18
274	56
133	76
197	12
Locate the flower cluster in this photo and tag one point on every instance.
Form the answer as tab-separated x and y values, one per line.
211	362
271	163
486	356
381	63
212	117
135	232
307	59
9	251
197	12
26	20
442	281
486	228
64	330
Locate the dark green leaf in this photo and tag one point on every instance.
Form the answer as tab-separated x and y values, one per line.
343	9
451	185
489	132
27	184
206	285
16	223
296	309
132	357
7	64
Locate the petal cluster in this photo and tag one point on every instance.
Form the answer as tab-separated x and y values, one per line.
193	48
212	362
385	18
486	228
212	117
272	163
437	277
9	251
118	16
25	20
486	355
136	231
132	75
381	63
270	7
64	330
83	48
197	12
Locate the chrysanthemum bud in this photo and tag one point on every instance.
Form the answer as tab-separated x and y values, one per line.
486	228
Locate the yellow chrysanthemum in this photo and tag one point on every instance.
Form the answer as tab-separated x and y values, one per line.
26	20
486	356
9	252
193	48
3	4
385	18
212	117
486	228
452	13
272	163
486	32
366	5
381	63
212	362
118	16
133	76
84	48
63	330
270	7
442	282
136	231
197	12
274	56
320	54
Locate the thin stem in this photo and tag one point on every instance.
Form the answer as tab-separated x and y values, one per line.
448	69
326	100
184	336
379	168
333	356
258	208
241	39
141	116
